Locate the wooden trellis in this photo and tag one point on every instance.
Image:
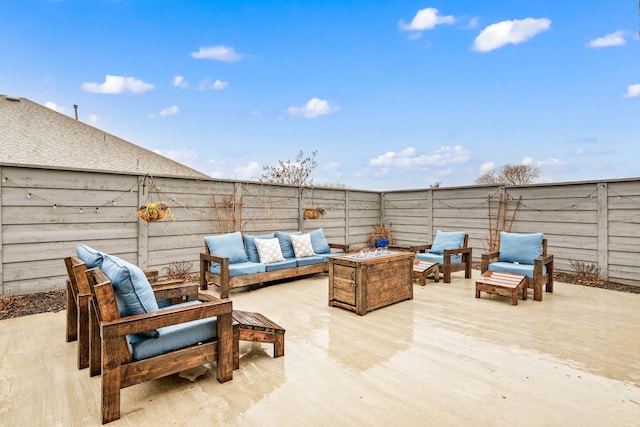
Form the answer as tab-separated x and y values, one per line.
503	219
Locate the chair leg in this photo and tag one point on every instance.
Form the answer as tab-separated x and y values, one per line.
95	345
83	331
111	373
72	315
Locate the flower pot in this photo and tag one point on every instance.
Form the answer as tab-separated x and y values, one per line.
382	242
312	214
151	215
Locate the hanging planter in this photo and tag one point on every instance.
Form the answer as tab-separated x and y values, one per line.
154	212
314	212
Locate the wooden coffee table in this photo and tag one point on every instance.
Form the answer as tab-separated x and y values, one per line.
424	269
504	284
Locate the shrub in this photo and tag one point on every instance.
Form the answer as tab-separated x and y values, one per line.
586	273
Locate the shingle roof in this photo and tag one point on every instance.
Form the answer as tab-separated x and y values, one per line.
34	135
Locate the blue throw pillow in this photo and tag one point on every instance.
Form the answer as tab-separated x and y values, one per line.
319	242
227	245
250	245
519	247
447	240
133	292
286	246
91	257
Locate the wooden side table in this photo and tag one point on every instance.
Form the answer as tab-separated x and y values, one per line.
504	284
424	269
257	327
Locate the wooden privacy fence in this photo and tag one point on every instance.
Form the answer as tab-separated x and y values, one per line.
45	213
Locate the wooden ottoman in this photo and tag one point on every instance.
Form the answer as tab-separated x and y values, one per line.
423	269
257	327
504	284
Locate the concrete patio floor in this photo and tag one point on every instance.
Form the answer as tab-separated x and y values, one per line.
444	358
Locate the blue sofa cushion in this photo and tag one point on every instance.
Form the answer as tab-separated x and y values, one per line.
447	240
319	242
227	245
311	260
91	257
269	250
240	268
455	259
133	292
286	246
519	247
250	245
510	267
281	265
173	337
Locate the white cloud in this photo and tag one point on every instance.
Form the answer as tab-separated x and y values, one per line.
613	39
426	19
55	107
509	32
93	119
255	113
186	157
633	91
216	85
487	167
315	107
217	53
165	112
409	158
117	85
527	161
179	81
249	172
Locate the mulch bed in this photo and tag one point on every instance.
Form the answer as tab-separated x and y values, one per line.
54	301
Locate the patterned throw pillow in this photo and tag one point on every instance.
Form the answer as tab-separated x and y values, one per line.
302	245
269	250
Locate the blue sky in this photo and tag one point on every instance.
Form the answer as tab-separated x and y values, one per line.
392	94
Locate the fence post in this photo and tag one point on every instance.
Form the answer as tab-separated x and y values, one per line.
143	228
603	229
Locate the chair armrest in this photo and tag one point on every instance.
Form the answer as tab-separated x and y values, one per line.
465	253
165	317
488	258
421	248
175	289
344	248
205	267
547	261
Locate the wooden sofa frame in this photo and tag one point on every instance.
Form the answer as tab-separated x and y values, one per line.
79	295
110	355
539	278
226	282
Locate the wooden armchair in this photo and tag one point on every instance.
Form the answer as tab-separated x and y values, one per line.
79	295
526	254
208	338
450	251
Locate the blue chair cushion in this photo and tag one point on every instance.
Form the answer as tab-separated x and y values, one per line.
455	259
173	337
519	247
250	245
510	267
91	257
240	269
447	240
281	265
228	245
319	242
311	260
286	246
133	292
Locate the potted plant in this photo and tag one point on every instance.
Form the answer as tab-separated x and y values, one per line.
380	236
314	212
155	212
